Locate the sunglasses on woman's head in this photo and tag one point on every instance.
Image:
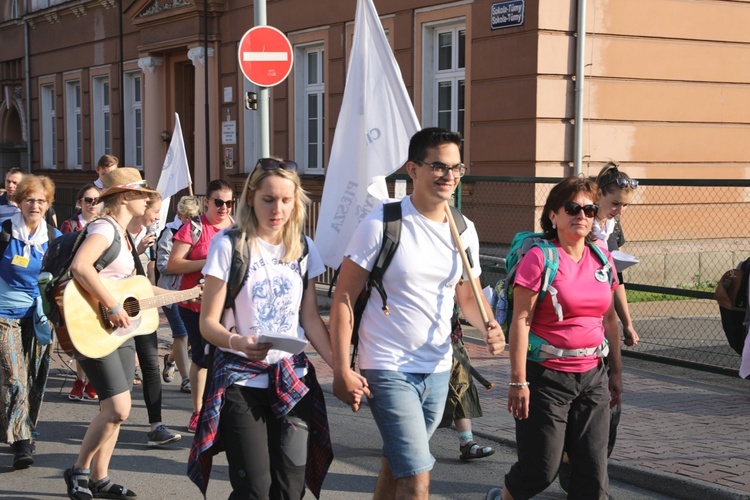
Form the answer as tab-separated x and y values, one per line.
622	183
220	203
91	201
274	164
573	208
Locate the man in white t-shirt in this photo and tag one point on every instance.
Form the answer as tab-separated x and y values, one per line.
406	356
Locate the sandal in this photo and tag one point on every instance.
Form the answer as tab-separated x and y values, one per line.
185	385
105	488
77	481
472	450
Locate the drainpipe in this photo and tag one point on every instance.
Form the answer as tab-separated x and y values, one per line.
580	68
122	88
27	70
205	85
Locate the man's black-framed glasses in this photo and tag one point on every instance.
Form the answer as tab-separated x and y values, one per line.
440	169
274	164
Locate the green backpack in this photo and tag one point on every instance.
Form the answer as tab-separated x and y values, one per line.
502	300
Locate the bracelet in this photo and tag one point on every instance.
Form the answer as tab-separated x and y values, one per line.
230	340
117	308
518	384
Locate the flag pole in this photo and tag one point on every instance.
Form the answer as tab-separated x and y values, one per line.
465	259
190	189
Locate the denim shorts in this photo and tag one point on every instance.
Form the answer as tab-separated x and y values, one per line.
175	320
397	401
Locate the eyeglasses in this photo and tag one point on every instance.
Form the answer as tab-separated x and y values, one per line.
274	164
32	201
573	208
91	201
622	183
439	169
220	203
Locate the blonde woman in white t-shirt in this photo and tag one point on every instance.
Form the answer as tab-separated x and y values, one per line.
264	431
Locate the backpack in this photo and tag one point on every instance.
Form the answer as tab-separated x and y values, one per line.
59	257
391	237
502	299
732	296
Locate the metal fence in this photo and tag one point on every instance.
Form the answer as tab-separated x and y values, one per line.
686	234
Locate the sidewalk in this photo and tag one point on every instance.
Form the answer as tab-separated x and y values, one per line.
683	433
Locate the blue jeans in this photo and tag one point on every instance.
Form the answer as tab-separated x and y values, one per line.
175	320
398	399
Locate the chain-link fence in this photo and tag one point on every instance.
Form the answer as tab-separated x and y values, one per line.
685	233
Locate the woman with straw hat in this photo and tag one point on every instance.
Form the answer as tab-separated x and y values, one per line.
124	196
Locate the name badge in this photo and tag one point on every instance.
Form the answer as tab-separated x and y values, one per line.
600	275
20	261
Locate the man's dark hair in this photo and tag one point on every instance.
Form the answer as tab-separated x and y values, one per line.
14	170
430	138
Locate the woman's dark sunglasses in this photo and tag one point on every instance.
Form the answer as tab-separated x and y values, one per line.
274	164
573	208
220	203
622	183
91	201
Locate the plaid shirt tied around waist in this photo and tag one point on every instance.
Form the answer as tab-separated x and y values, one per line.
285	390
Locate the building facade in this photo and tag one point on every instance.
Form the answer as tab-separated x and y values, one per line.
666	87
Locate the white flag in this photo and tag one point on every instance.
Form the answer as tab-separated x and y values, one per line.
372	136
175	174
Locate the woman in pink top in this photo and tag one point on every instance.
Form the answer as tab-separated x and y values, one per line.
189	252
563	401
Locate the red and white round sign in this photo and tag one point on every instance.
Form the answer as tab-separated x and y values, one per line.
265	56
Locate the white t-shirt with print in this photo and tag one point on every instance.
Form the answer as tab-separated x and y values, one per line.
420	284
271	296
123	266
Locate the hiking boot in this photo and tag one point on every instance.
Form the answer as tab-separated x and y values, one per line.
169	367
76	393
193	424
23	452
161	435
89	392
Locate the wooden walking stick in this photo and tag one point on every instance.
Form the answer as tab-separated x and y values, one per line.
459	245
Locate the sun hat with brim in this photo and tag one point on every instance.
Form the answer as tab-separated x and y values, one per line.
124	179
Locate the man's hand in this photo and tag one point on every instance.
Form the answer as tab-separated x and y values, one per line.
494	338
349	386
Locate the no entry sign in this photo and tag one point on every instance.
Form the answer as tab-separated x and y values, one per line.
265	56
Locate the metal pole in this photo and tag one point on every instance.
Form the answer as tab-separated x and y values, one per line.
264	95
580	68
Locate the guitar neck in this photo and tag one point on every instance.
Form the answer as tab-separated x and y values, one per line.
168	298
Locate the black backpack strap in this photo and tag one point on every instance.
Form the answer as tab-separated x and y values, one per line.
111	253
6	235
461	226
133	251
302	263
238	266
391	238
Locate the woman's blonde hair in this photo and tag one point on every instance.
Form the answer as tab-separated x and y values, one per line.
31	183
247	222
189	206
111	202
153	198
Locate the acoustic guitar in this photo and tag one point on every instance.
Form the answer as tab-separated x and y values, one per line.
85	328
